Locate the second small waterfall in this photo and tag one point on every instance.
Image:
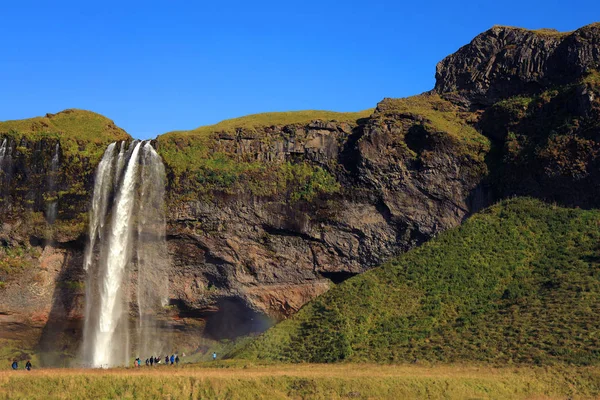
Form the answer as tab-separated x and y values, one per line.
126	259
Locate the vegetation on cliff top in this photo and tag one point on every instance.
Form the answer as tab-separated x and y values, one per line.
541	31
253	122
79	131
550	136
445	126
196	161
184	150
519	282
437	114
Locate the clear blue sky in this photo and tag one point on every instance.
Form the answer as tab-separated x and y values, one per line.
156	66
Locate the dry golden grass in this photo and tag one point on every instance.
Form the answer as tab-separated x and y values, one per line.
305	381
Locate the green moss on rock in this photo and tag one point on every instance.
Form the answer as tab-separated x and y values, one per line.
198	163
80	132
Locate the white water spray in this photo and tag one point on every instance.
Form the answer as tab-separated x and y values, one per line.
102	188
2	149
5	172
152	289
53	205
138	198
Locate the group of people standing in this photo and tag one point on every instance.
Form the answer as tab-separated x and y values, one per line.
15	365
174	359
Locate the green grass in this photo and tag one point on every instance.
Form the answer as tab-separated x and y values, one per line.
183	150
517	283
442	119
83	137
310	381
543	136
79	131
548	32
14	259
256	122
201	167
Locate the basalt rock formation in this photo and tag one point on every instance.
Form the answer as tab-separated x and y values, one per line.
266	212
504	62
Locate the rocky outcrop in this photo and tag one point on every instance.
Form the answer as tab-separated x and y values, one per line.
404	179
504	62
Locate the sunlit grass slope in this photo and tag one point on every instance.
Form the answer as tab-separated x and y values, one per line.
519	282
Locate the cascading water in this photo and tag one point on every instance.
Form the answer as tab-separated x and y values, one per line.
152	276
2	169
2	149
53	205
129	194
5	171
5	160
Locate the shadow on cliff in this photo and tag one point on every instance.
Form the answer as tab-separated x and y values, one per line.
62	334
229	318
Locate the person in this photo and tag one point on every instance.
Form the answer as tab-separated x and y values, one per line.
166	360
214	356
172	359
139	362
151	360
176	360
156	360
15	365
147	362
28	365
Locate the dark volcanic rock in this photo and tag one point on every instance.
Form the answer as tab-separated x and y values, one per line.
504	62
276	254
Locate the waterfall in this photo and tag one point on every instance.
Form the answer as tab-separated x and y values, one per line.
53	205
127	234
2	169
152	290
2	149
5	171
102	188
120	162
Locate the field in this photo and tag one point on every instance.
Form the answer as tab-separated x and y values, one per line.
305	381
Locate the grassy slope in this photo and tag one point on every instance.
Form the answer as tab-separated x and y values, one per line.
519	282
310	381
79	131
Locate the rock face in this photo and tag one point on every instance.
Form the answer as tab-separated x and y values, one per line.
264	217
275	255
504	62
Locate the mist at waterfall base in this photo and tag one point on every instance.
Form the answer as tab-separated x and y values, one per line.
126	259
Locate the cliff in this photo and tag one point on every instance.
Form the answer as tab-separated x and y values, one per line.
505	62
271	216
268	211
